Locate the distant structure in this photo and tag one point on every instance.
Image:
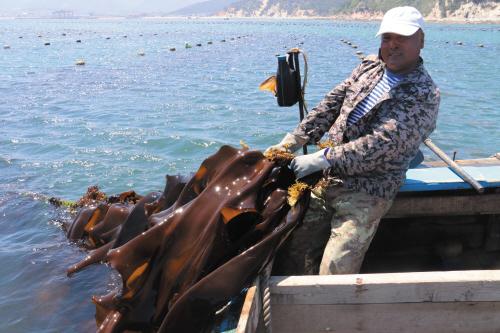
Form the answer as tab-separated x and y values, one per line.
63	14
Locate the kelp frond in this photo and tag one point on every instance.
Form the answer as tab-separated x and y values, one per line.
295	191
94	194
278	155
244	146
325	144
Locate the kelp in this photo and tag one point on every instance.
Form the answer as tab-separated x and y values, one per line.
184	253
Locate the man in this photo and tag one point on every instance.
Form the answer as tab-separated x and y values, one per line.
376	119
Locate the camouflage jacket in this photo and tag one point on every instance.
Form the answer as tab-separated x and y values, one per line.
374	154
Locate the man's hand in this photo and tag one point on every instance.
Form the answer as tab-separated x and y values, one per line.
306	164
289	144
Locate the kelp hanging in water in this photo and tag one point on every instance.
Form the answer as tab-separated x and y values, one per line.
184	253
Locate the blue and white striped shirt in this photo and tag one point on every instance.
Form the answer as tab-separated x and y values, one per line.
388	81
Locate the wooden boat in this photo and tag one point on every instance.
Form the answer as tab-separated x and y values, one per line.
433	266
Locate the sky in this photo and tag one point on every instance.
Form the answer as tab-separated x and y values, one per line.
111	7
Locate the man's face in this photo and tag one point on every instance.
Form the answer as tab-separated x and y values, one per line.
401	53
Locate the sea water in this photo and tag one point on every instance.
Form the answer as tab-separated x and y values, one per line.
123	121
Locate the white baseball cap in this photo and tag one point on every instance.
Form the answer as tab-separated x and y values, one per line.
404	21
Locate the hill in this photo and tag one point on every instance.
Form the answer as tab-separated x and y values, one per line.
205	8
473	10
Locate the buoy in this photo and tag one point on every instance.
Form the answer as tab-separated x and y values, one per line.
20	37
481	45
460	43
187	45
78	40
359	52
108	37
46	44
199	44
172	49
141	53
223	41
210	43
125	36
354	46
6	47
80	62
63	34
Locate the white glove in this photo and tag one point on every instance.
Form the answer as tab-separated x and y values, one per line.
289	144
306	164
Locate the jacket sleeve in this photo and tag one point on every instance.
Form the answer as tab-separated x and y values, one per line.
321	118
394	139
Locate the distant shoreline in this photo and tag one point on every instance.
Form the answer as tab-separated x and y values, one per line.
453	20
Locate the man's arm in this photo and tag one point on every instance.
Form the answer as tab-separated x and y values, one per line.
321	118
393	141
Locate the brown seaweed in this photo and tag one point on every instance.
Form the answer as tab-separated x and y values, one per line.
184	253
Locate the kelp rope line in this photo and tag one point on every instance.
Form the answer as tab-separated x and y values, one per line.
184	253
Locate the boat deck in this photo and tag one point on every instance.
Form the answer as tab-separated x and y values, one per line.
436	217
443	178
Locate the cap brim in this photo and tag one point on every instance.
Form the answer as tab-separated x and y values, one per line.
399	29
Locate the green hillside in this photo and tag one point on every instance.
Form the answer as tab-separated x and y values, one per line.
333	7
465	9
325	7
425	6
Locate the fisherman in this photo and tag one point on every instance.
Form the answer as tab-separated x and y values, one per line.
376	119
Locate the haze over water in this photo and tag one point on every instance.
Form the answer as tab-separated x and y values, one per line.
124	121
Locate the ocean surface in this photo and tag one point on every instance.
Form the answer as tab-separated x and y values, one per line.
123	121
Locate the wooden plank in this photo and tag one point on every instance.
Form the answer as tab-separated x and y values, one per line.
251	311
453	286
461	317
495	160
445	205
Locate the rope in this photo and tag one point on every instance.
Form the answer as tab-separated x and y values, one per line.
266	297
304	82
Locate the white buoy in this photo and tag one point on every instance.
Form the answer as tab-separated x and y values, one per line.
141	53
6	47
80	62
